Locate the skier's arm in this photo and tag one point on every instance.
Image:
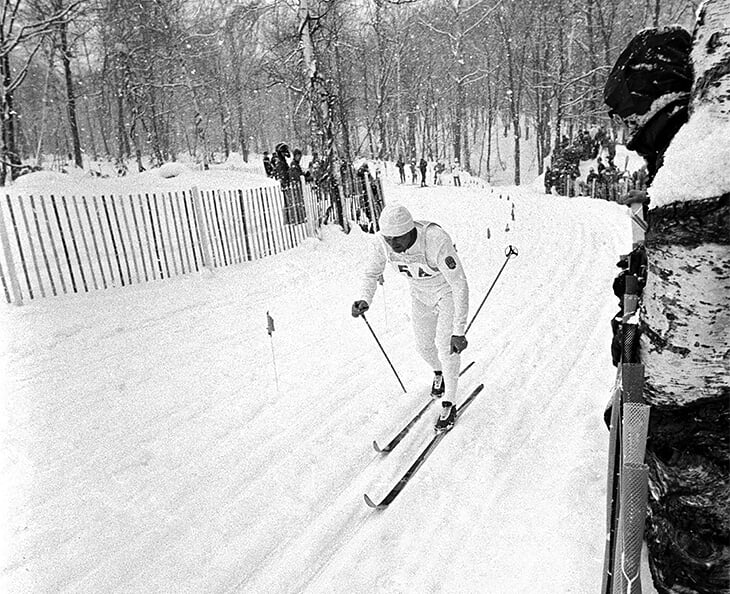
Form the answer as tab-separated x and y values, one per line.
449	265
373	271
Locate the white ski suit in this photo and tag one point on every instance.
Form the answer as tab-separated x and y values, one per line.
439	295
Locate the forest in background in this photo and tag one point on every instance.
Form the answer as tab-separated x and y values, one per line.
151	81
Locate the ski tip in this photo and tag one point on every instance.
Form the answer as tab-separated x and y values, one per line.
376	446
371	503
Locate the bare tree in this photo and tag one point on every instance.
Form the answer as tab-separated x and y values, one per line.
464	19
18	30
514	23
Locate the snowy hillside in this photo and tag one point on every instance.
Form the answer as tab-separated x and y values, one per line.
148	447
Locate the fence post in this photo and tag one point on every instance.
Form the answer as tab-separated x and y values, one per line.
341	210
309	210
380	190
17	297
205	248
371	201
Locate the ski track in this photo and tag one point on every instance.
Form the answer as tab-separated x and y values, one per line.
252	492
304	561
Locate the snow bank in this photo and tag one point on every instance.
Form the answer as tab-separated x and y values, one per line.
171	177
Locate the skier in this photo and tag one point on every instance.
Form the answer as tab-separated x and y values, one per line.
424	252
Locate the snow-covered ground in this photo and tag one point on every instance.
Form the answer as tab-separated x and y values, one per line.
154	438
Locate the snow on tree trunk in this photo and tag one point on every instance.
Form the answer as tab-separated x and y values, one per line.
685	344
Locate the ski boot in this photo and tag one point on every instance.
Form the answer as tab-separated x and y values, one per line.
437	388
446	418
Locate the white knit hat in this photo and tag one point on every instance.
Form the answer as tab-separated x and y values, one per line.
395	220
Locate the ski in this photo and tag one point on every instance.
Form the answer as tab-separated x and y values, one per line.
425	453
403	432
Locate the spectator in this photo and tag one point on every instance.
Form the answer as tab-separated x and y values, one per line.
400	164
641	179
267	165
295	167
413	171
315	170
423	166
592	181
586	145
281	173
438	169
295	177
274	159
456	173
280	164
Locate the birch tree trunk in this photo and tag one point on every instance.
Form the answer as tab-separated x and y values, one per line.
685	335
321	101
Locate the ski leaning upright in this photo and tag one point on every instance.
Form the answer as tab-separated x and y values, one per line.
403	432
425	453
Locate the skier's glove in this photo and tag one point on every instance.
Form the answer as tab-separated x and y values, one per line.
458	344
359	308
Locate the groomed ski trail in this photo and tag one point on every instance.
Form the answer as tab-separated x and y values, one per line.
482	480
179	466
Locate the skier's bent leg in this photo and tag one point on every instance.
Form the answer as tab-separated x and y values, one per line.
451	362
424	330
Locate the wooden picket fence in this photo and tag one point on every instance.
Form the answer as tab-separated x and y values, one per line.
54	245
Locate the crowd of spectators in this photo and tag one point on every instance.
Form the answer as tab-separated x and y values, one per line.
358	185
439	169
290	175
605	181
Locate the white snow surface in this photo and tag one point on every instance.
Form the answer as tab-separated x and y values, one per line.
696	163
148	447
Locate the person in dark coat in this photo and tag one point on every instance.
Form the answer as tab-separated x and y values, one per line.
295	167
267	165
274	159
281	173
592	182
423	165
281	165
314	171
295	181
401	165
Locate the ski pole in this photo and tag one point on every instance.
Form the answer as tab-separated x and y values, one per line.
383	351
509	252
